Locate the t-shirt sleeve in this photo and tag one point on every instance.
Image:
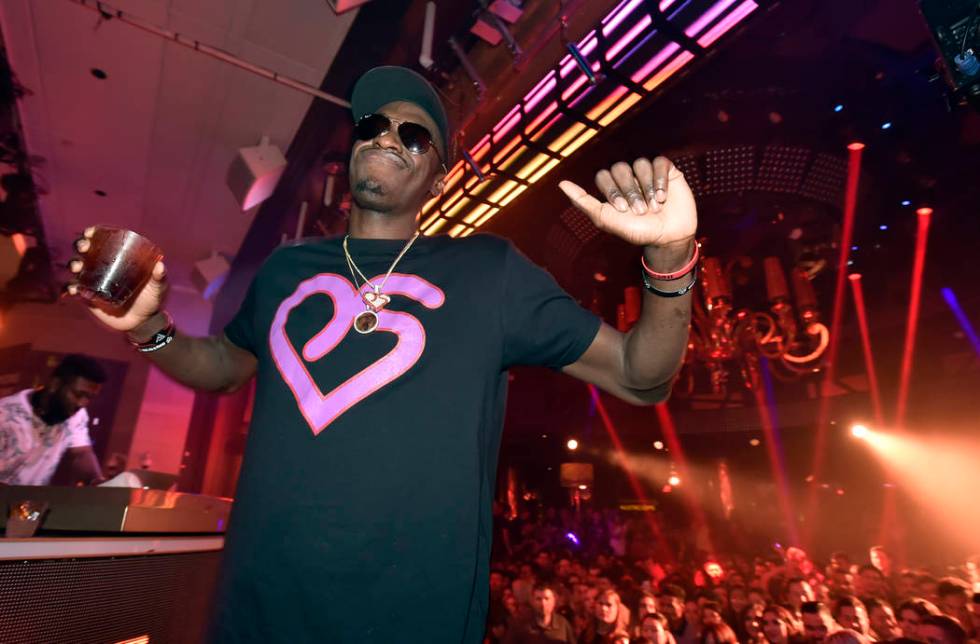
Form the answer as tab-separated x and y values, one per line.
241	329
78	430
542	324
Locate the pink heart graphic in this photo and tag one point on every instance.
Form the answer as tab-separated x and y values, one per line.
321	409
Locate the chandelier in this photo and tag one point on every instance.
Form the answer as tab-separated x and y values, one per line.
726	338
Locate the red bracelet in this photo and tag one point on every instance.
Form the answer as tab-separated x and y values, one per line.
681	272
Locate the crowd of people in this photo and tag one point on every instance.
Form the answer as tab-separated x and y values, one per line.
559	578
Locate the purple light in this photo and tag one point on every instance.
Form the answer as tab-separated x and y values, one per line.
630	35
540	90
708	17
614	22
726	23
655	62
968	330
571	537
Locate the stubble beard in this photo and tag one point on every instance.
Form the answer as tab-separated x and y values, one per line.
369	194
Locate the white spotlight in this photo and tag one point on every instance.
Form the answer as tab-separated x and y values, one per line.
860	431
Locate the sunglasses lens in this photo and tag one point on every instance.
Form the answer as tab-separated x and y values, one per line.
415	137
370	126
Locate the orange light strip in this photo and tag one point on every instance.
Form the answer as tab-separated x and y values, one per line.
716	19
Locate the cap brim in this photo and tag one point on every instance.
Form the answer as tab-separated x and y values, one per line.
387	84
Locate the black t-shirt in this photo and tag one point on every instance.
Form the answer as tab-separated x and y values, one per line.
363	510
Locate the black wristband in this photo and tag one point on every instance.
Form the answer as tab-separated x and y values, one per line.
160	339
656	291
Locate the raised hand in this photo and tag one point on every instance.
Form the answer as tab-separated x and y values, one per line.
647	204
144	306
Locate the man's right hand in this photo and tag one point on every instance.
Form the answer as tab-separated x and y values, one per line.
145	306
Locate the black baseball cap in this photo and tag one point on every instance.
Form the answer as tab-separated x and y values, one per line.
382	85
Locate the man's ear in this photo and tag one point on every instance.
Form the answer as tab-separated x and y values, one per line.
438	185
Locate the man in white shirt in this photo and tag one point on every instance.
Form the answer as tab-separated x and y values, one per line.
40	426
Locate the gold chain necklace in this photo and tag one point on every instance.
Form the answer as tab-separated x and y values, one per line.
374	300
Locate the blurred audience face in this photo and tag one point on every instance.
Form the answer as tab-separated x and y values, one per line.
654	630
798	592
908	622
509	601
671	607
883	623
774	628
854	618
497	584
543	604
738	599
869	583
563	569
710	616
753	622
607	608
817	626
881	560
647	605
905	587
692	611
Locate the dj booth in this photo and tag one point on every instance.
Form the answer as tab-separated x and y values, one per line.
109	565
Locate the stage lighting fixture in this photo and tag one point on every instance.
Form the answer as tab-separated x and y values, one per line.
572	444
906	202
860	431
658	444
886	125
674	480
838	108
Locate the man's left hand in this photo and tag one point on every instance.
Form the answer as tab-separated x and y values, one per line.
647	204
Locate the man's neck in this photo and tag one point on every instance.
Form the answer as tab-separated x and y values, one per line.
544	621
367	224
40	400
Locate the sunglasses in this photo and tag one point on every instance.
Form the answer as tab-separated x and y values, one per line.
416	138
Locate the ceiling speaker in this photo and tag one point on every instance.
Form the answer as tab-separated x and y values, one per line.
254	173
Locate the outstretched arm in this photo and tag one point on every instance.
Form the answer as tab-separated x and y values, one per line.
648	204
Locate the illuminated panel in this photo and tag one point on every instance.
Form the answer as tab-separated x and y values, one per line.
619	109
618	15
580	141
727	23
631	35
563	111
434	228
476	213
487	217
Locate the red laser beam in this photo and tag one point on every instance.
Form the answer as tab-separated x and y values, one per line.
775	459
855	150
634	483
680	460
888	510
869	364
921	240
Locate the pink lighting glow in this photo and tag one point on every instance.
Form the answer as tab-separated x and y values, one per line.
708	17
727	23
629	26
629	37
618	15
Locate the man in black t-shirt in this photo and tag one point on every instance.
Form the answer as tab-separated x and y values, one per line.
381	367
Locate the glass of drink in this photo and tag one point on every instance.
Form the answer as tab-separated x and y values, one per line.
116	266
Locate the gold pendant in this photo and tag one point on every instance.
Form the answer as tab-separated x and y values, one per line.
366	322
